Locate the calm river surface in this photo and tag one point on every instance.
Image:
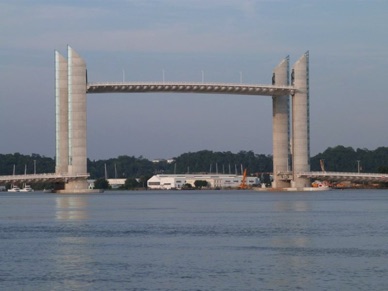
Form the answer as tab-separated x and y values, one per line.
189	240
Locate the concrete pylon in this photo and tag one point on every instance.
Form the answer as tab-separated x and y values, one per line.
281	125
76	120
61	115
301	121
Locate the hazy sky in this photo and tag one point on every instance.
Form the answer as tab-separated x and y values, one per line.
347	40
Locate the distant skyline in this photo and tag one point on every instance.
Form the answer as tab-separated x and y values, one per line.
220	41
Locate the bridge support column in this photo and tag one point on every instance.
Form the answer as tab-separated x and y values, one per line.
76	119
61	115
77	113
70	97
281	125
301	121
77	186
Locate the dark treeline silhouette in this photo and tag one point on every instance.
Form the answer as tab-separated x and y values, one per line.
339	158
221	162
25	163
346	159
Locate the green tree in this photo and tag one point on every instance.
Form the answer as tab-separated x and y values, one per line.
383	169
187	186
131	183
200	183
101	183
143	181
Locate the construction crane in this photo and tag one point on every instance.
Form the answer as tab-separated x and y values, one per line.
322	163
243	184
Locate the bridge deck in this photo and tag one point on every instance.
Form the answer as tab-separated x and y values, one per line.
344	176
177	87
49	177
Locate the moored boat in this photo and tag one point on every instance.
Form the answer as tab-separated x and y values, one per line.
27	188
14	188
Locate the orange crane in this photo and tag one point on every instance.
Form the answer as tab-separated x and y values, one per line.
243	184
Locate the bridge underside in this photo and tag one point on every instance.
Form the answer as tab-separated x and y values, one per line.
205	88
289	153
40	178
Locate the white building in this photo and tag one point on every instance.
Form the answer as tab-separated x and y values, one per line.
214	181
114	183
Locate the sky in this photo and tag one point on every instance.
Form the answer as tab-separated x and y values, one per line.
223	40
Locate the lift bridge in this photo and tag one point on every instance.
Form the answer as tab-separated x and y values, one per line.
290	95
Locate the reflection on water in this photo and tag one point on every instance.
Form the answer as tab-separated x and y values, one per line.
73	255
71	207
295	206
73	260
293	237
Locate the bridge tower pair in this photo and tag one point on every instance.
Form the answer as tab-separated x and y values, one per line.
291	153
70	100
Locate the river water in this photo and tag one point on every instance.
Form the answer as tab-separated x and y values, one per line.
195	240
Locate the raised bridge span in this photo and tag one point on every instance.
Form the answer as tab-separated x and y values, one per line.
185	87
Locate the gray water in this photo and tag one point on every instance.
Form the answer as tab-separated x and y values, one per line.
189	240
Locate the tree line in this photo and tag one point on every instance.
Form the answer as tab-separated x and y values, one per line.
339	158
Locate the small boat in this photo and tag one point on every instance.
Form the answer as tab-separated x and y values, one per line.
26	188
48	190
14	189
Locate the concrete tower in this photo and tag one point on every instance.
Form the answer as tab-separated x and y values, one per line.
301	121
70	98
61	115
77	118
281	125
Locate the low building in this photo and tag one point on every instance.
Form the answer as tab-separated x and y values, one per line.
166	182
116	183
